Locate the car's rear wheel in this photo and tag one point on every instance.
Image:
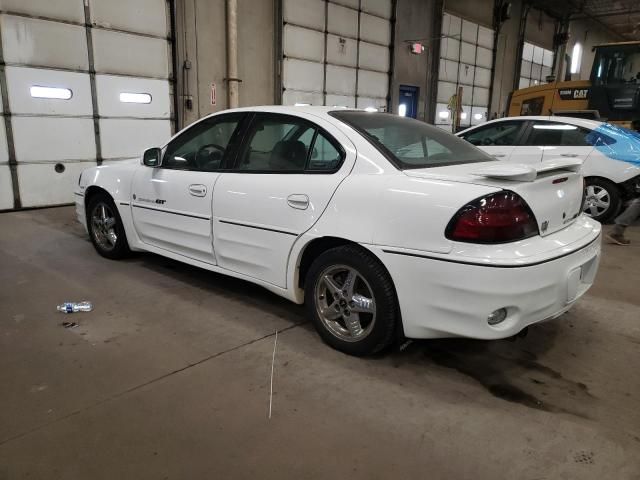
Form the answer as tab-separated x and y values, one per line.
602	199
105	227
351	301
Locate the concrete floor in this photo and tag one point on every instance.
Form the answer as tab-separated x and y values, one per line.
169	378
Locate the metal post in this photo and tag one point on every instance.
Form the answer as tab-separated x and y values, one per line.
232	53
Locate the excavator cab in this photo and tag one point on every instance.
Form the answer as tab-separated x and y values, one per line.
615	83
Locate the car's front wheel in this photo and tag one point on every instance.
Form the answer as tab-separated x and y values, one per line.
602	199
105	227
351	301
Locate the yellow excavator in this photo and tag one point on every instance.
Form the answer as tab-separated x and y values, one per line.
611	94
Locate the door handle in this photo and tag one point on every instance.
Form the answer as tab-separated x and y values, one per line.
197	190
298	201
570	155
498	155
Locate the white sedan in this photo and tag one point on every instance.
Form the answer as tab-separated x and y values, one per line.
381	225
611	154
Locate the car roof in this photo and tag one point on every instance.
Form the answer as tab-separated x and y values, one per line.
581	122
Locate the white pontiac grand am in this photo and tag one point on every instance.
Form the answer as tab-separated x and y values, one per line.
381	225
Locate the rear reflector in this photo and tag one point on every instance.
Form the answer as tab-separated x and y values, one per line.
560	180
497	218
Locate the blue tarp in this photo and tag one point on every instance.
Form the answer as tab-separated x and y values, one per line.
617	143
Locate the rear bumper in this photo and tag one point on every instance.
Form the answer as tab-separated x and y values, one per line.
449	298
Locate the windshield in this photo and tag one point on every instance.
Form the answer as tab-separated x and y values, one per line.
616	65
408	143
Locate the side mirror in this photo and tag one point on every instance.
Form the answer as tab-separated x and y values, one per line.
151	157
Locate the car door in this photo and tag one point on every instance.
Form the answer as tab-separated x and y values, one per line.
285	174
171	203
498	139
559	139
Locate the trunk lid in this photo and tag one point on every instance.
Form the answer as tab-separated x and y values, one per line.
553	189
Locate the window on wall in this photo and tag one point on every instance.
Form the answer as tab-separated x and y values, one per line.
537	63
466	50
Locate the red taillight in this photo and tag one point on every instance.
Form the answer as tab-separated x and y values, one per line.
497	218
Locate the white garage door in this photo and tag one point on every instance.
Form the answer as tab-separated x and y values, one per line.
336	52
85	82
466	53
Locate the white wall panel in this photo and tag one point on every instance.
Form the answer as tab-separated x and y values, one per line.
291	97
303	43
123	53
71	10
20	79
127	15
342	21
109	88
374	57
341	101
377	7
308	13
374	29
42	139
41	42
41	185
373	84
376	102
302	75
4	152
6	188
341	80
130	137
342	51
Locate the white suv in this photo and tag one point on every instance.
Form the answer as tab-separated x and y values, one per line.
611	154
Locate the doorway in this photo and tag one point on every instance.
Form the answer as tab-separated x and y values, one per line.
408	101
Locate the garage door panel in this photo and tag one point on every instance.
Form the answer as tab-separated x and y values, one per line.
126	15
465	74
291	97
483	77
450	49
348	3
129	54
302	75
448	70
480	97
469	31
6	188
375	102
374	29
21	79
4	152
119	97
451	25
41	185
478	115
342	21
38	42
468	53
342	51
374	57
443	115
303	43
445	91
41	139
341	101
69	10
485	37
307	13
341	80
381	8
373	84
130	137
483	57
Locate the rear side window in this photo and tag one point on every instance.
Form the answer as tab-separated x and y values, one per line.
532	106
557	134
409	143
279	143
497	134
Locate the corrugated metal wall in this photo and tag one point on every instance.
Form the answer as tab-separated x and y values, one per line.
336	52
83	82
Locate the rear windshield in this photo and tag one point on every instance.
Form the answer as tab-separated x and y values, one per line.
408	143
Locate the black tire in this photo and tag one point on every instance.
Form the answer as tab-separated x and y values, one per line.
372	276
112	249
613	198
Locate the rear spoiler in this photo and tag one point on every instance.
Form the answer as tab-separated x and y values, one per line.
519	172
